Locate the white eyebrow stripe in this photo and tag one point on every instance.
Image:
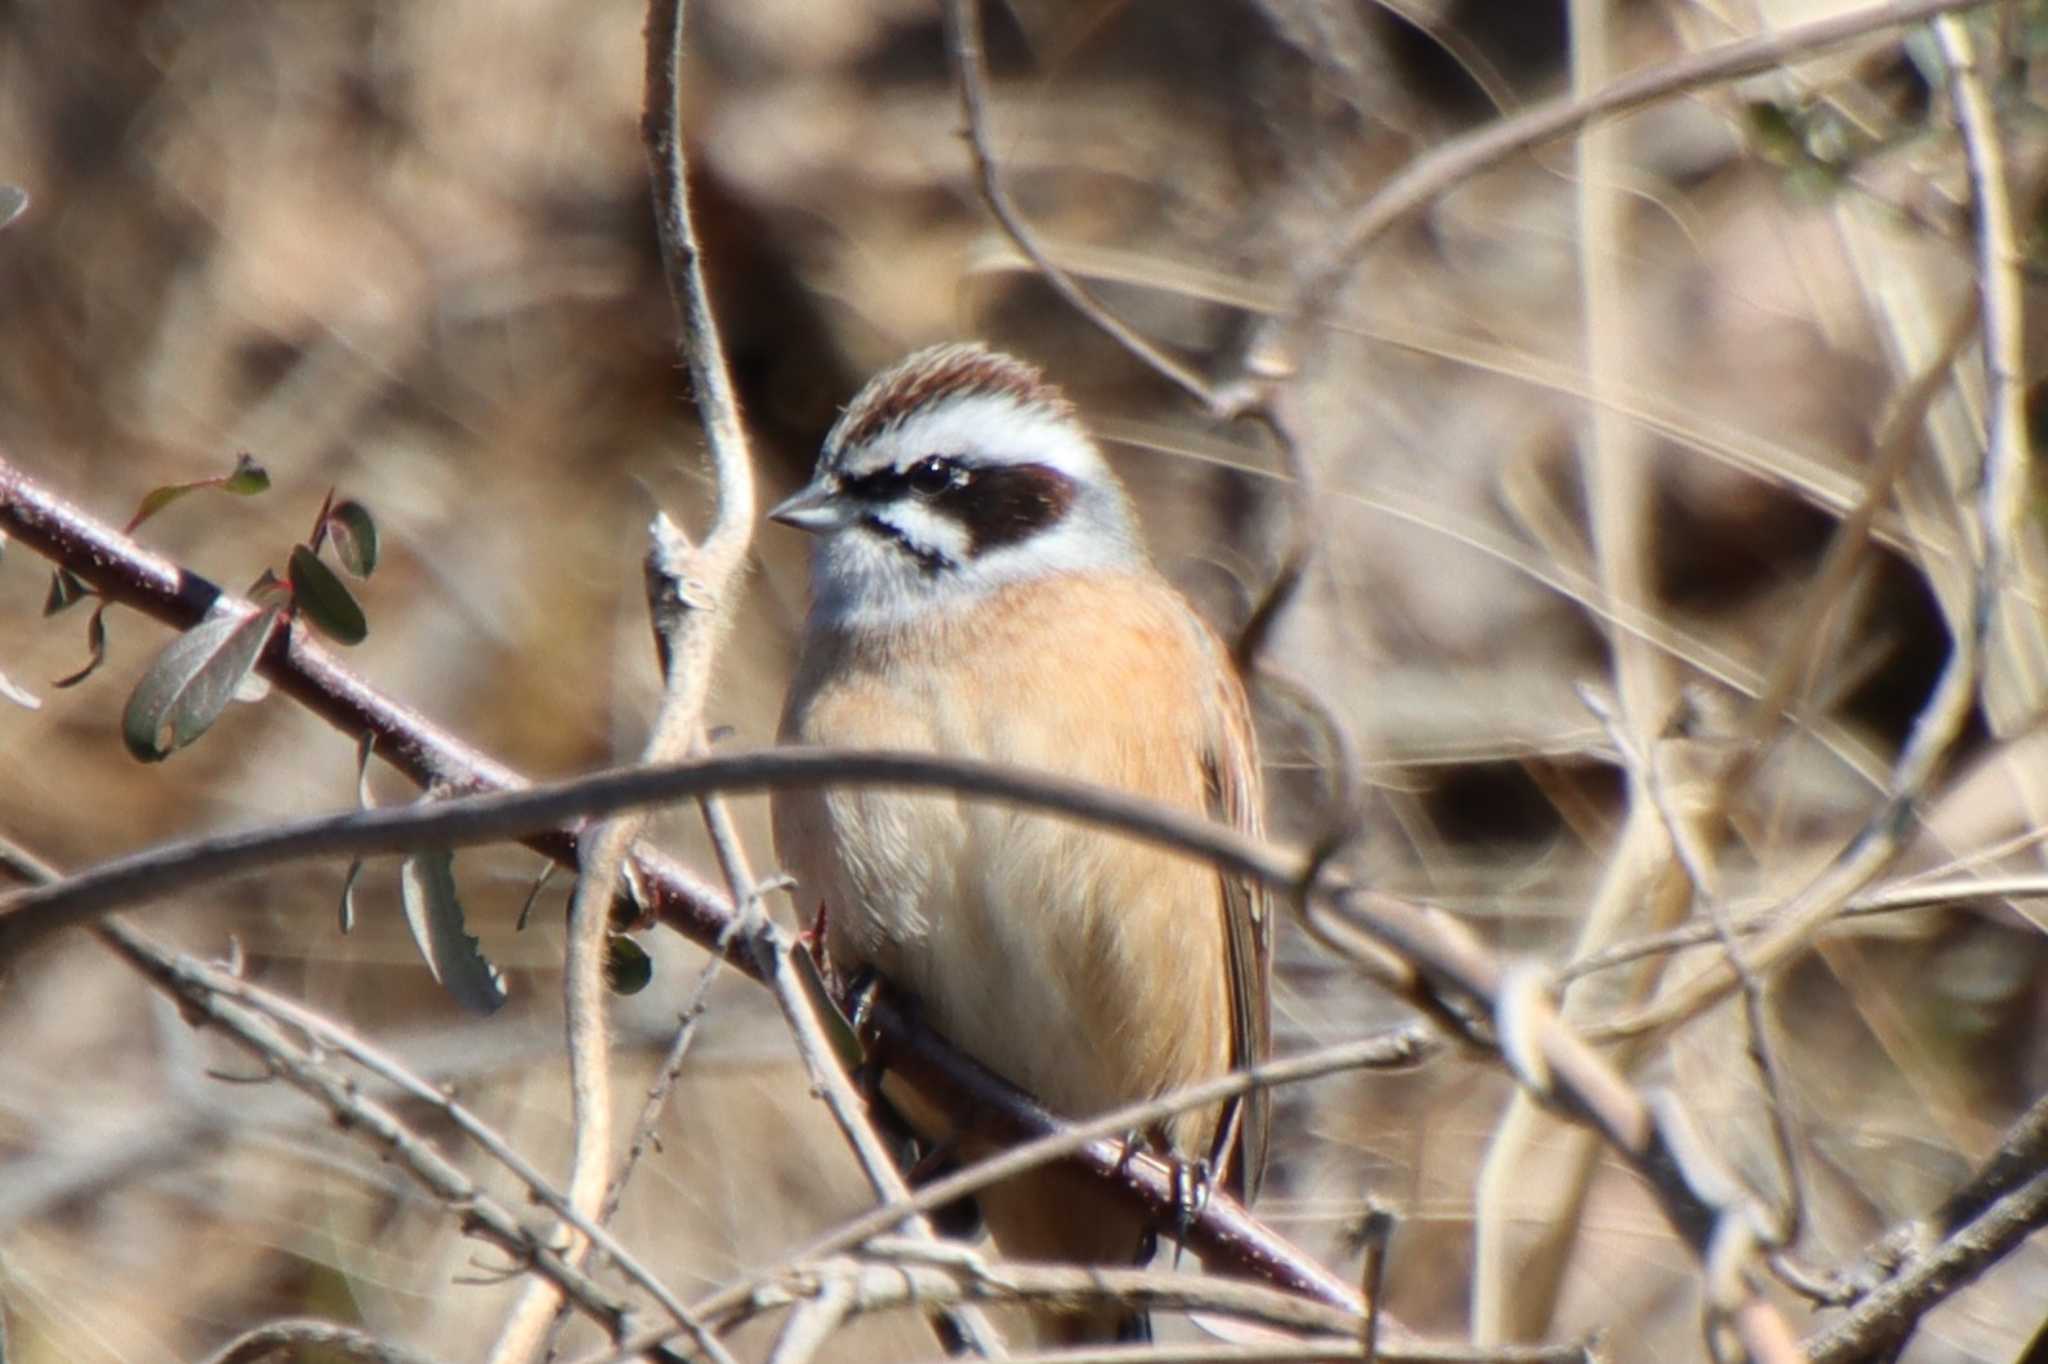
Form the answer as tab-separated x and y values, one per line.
981	429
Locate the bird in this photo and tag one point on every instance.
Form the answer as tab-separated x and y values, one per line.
979	589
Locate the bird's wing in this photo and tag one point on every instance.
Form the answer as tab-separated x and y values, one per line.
1231	768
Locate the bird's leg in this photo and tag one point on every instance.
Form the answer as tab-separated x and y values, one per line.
1192	1182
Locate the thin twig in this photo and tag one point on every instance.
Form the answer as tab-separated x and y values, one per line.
2001	492
687	589
666	1076
963	24
1888	1315
1102	1138
1516	1286
328	1035
303	1069
1402	1048
1896	440
814	1322
1257	397
1422	180
28	915
644	1128
772	949
2020	1157
1684	833
332	1036
904	1279
912	1275
891	1273
1301	1352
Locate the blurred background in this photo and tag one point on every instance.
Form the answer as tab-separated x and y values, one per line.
405	250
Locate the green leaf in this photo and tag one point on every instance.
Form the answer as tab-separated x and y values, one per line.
426	884
191	682
627	967
838	1028
1776	132
67	590
96	643
246	479
354	532
325	600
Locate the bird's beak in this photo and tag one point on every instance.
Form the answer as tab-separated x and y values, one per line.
816	508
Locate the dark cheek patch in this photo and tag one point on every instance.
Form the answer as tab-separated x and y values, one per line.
1008	504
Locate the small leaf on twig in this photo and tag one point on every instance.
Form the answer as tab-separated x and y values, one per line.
627	967
838	1030
540	883
324	600
96	646
426	884
354	532
191	682
67	589
246	479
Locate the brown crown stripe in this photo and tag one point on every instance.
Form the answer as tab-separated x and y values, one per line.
942	371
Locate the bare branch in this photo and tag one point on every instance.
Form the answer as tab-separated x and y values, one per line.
2002	487
1422	180
1888	1315
689	593
963	24
303	1069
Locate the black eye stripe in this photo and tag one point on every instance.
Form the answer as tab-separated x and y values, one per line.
1008	504
928	477
997	505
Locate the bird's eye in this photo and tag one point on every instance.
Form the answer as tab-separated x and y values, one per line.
931	475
